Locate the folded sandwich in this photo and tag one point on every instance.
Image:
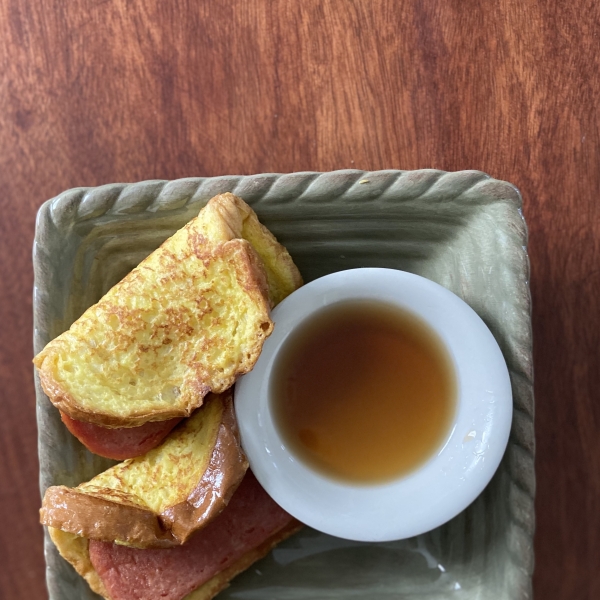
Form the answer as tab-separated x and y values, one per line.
159	499
189	320
245	531
172	523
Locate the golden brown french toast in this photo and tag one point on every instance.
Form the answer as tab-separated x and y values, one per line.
190	319
159	499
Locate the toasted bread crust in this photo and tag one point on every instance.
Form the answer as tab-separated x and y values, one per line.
97	518
101	512
228	217
226	469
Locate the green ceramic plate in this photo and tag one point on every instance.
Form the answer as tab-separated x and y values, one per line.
463	230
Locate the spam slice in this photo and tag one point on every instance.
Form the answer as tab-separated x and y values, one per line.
161	498
244	532
121	443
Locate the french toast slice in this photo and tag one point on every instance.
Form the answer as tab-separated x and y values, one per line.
159	499
190	319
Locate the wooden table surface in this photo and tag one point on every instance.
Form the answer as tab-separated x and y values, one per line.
94	91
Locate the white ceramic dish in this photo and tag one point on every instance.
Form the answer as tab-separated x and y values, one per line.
434	492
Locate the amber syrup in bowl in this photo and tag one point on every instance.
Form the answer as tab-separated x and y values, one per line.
364	391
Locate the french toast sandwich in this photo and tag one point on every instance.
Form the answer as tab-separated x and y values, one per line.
159	499
244	532
189	319
178	522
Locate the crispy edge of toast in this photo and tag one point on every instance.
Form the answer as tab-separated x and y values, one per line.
231	218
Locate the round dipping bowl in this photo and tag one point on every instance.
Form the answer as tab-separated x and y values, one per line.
442	486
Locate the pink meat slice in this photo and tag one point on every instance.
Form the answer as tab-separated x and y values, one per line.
120	443
250	519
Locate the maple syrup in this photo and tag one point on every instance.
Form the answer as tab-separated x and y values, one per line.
363	391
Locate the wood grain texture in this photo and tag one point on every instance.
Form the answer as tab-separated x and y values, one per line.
93	92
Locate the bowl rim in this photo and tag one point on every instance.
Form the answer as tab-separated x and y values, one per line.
441	487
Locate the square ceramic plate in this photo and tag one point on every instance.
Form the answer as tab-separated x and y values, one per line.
463	230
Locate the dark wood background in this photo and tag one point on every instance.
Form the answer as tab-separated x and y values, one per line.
96	91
